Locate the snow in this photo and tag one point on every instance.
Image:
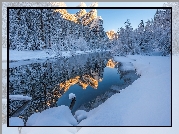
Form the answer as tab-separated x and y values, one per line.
95	22
19	97
80	115
16	121
148	130
57	116
23	55
72	95
135	93
122	59
147	102
16	55
126	63
127	66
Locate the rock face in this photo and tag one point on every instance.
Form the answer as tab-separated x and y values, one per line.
111	34
66	15
37	29
81	13
89	17
81	17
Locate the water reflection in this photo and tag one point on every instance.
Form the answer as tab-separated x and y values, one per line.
46	81
50	82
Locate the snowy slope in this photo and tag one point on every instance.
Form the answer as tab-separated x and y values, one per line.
147	102
148	130
57	116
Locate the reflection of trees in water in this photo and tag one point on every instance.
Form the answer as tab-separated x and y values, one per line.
128	77
97	101
41	80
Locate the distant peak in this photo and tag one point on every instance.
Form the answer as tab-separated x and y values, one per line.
81	12
111	34
81	16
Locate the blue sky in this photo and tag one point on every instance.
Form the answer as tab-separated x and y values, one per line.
115	18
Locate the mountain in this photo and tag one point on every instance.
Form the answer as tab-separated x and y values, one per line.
111	34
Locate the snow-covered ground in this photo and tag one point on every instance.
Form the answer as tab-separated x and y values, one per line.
146	102
57	116
148	130
19	97
15	55
37	54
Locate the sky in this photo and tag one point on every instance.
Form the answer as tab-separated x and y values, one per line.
115	18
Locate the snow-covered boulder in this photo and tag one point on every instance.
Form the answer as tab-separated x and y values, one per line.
80	115
72	95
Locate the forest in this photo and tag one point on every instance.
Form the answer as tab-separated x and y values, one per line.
42	29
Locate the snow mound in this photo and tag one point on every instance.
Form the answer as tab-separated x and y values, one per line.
19	97
16	121
80	115
57	116
72	95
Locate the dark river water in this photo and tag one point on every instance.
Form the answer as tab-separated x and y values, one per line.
93	78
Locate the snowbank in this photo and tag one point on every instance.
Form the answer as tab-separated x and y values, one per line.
15	55
148	130
23	55
147	102
80	115
16	121
19	97
57	116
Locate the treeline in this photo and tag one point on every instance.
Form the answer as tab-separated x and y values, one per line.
38	29
151	36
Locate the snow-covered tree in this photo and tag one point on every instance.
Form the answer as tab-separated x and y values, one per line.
155	35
